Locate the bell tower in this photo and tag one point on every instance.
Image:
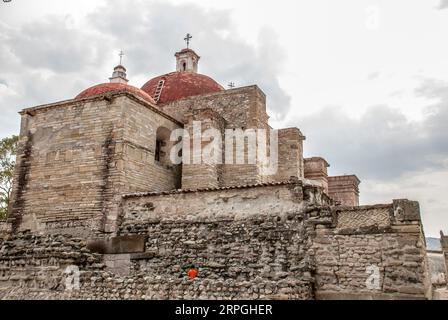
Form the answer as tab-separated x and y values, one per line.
119	74
187	61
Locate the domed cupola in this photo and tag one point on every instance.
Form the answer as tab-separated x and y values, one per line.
118	83
183	83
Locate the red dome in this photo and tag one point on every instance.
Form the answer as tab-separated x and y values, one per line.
114	87
180	85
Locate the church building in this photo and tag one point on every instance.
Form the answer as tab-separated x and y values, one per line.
106	191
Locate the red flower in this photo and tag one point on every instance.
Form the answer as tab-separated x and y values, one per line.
192	273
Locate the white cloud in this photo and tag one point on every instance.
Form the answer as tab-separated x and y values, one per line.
426	186
443	4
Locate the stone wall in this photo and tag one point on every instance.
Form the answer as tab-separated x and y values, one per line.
77	157
63	167
372	252
142	172
444	245
241	107
344	189
267	241
316	169
290	154
5	228
437	269
35	267
198	171
349	246
61	267
253	255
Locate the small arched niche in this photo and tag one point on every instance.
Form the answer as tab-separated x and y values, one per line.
162	146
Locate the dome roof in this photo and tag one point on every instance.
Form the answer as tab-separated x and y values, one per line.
114	87
178	85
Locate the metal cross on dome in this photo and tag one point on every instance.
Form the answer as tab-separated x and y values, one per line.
121	54
187	39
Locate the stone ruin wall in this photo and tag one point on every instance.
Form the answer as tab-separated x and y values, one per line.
444	245
385	238
5	229
283	241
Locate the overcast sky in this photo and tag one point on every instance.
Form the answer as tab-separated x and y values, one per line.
365	80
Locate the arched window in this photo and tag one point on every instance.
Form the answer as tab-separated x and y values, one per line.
184	66
161	152
159	145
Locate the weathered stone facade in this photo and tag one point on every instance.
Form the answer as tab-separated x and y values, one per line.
97	199
344	189
292	245
76	158
316	169
444	245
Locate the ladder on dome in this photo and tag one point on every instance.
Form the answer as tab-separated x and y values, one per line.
158	92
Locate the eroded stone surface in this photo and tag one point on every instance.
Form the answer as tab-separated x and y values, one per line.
294	246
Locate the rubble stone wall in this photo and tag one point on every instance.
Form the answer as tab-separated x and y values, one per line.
372	252
271	241
444	245
5	228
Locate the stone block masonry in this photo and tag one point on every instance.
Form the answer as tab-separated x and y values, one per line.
316	169
241	108
290	154
344	189
77	158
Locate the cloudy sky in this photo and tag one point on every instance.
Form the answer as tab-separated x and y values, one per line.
365	80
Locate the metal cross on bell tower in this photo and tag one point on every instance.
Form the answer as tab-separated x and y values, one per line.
187	39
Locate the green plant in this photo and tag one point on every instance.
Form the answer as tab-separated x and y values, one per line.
8	149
